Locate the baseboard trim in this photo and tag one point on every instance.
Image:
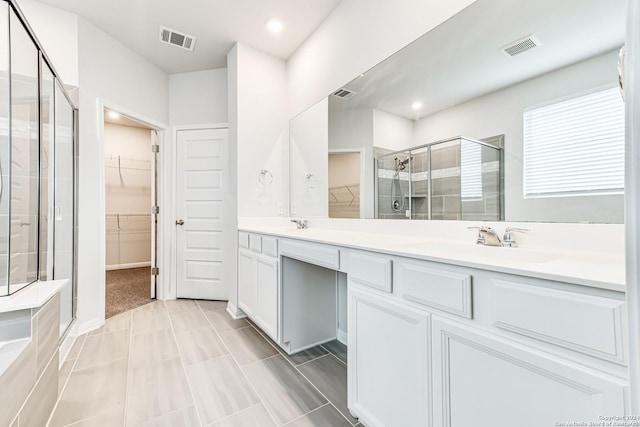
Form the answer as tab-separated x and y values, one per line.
130	265
89	326
235	312
342	337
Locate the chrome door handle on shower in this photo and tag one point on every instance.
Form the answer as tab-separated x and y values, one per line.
180	222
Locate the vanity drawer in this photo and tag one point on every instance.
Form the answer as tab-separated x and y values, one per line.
429	285
588	324
243	239
255	243
322	255
369	269
270	246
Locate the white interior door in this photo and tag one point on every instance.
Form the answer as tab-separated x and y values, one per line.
200	181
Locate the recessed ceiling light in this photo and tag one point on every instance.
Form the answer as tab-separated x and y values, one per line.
274	25
113	114
416	105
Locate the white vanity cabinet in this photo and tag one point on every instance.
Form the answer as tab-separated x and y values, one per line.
258	272
436	344
389	361
482	380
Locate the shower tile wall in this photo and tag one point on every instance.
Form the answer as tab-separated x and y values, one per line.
386	171
488	208
420	184
445	174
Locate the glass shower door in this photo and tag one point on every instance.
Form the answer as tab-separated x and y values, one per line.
5	146
24	157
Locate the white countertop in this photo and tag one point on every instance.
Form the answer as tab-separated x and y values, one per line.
595	269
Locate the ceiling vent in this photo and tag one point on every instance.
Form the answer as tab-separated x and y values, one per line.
521	45
343	93
175	38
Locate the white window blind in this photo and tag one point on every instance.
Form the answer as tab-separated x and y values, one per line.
470	171
575	147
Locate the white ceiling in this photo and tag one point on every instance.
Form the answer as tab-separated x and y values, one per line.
461	59
217	25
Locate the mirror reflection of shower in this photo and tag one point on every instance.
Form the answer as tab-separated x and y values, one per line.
397	197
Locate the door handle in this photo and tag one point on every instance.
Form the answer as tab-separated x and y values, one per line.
180	222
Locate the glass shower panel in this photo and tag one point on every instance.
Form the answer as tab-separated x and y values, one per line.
419	165
4	148
23	247
446	185
480	170
393	186
63	196
47	89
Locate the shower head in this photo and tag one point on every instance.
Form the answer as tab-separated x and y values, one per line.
402	164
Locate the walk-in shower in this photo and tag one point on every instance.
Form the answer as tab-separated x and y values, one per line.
458	179
37	140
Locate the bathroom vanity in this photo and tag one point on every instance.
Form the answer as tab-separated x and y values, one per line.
446	332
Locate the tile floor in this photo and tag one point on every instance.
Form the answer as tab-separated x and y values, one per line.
187	363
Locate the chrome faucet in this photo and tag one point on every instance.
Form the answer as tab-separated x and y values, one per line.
302	224
487	236
509	240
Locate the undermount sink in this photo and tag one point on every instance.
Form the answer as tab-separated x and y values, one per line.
494	252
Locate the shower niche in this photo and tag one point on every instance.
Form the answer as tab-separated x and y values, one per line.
454	179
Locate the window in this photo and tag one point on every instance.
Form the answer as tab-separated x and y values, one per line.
575	147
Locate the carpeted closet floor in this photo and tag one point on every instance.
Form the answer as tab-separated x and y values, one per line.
127	289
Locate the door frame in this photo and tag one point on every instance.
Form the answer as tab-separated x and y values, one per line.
170	284
363	165
163	134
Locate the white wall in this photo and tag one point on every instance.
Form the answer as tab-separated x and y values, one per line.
120	78
57	31
391	132
199	97
127	152
501	113
356	36
230	248
262	130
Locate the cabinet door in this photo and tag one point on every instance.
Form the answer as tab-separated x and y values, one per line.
247	285
389	382
485	381
267	296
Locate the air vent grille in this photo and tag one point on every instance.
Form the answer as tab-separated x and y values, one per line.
521	45
343	93
176	38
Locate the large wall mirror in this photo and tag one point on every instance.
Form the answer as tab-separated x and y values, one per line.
510	110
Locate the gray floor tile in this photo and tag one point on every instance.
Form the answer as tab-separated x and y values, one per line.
219	389
110	418
338	349
149	320
306	355
91	391
222	321
180	305
188	320
200	345
103	348
152	347
283	390
185	417
330	377
247	345
156	390
115	323
213	305
75	348
321	417
256	416
153	306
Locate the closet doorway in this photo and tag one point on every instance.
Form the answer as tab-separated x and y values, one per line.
130	160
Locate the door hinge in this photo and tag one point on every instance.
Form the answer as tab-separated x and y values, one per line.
155	209
155	271
155	148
